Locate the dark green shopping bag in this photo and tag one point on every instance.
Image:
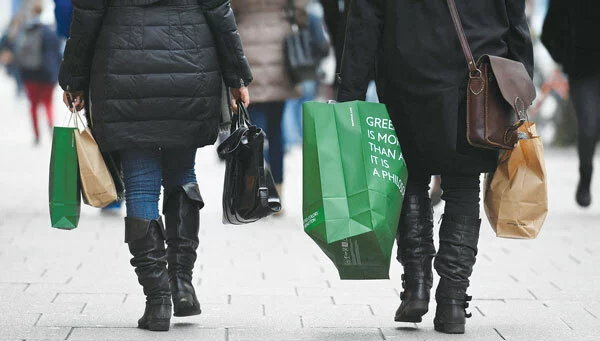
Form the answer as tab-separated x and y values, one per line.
354	179
64	189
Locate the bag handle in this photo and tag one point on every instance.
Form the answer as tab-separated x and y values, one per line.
462	37
239	119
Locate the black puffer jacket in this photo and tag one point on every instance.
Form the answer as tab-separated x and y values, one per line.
152	69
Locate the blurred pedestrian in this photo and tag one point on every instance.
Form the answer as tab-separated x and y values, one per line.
263	27
63	11
570	34
15	7
7	51
38	57
422	78
152	70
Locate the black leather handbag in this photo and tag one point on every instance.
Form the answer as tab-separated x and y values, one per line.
249	192
299	56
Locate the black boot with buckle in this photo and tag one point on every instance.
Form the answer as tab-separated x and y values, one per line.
454	263
146	242
181	209
415	253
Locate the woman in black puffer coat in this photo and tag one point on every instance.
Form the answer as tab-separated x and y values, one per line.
149	72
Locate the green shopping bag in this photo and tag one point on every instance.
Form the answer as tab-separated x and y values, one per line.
64	189
354	180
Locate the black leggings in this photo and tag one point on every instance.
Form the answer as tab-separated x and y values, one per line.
460	191
585	93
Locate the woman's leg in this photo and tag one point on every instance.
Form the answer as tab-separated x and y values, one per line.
268	117
259	118
142	174
459	234
46	98
145	235
274	113
415	247
585	93
181	208
33	96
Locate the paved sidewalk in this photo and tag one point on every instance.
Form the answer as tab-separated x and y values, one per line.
268	281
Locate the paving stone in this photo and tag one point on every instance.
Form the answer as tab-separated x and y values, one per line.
305	334
176	332
32	333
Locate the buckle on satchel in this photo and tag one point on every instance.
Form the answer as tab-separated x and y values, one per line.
520	109
476	74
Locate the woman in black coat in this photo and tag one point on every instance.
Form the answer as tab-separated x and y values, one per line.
150	72
421	76
570	34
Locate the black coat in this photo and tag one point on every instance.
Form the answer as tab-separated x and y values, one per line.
153	69
422	74
570	34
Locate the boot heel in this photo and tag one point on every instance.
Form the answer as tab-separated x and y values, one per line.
413	312
159	326
450	328
186	306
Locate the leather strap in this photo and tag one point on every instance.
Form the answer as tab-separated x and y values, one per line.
464	43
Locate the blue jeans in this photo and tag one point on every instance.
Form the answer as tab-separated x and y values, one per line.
292	115
145	170
267	115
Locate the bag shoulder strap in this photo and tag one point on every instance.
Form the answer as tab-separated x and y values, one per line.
464	43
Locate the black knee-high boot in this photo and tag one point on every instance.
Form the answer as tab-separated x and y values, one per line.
415	253
586	149
454	263
181	210
146	240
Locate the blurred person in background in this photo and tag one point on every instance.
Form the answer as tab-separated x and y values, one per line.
263	27
422	78
38	58
63	11
15	6
570	34
292	114
7	51
149	74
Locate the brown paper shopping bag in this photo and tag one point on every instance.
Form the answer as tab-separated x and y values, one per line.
98	187
516	199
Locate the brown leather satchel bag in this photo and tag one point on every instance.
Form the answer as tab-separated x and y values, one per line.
499	94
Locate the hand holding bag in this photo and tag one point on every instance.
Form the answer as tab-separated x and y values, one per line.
499	94
249	192
516	195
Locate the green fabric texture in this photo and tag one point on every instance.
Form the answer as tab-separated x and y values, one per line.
64	189
354	180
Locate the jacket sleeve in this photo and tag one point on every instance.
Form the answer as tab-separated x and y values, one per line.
520	47
234	65
85	25
363	32
556	31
